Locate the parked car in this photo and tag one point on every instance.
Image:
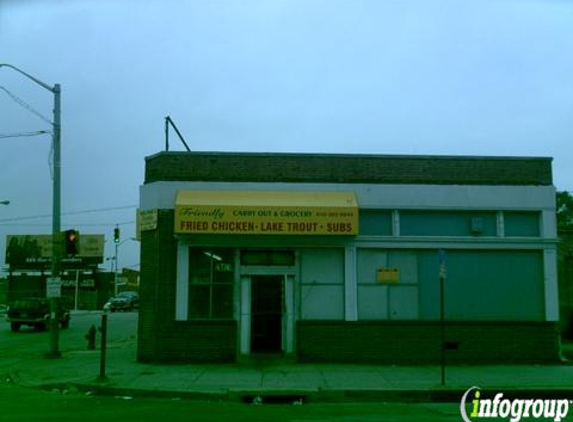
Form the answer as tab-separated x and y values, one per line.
35	312
132	297
124	301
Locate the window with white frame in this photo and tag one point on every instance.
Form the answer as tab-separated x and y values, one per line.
211	273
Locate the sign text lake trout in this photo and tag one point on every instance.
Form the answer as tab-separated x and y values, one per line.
266	220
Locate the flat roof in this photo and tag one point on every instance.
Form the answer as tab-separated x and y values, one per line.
347	168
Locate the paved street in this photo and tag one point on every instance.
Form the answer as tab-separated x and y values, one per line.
121	325
30	404
25	405
30	344
36	389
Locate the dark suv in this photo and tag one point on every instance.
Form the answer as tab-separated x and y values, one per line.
35	312
124	301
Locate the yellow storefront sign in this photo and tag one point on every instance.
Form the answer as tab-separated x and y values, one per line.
274	213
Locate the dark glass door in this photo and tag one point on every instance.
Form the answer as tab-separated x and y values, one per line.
266	313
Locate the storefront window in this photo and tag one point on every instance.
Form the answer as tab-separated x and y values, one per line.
267	257
211	272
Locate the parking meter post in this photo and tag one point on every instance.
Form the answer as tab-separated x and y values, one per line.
103	329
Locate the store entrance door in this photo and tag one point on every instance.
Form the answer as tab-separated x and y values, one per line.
267	299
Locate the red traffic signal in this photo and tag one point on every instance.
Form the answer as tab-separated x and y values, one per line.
71	241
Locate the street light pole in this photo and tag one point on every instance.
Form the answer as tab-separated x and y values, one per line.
115	275
54	351
115	279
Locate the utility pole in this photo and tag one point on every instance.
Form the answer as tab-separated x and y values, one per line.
54	351
116	239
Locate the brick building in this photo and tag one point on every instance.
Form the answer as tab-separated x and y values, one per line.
338	258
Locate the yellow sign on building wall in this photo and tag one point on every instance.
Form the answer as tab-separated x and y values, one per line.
145	220
388	275
274	213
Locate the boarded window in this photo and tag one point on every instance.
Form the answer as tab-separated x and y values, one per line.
448	223
521	223
375	222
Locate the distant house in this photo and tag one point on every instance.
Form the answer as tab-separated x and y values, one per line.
340	258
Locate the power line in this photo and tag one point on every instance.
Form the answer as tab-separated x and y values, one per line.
22	134
5	220
125	223
25	105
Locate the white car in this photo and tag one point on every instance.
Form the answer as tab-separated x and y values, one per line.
124	301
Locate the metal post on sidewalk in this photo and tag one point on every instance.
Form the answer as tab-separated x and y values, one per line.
103	328
443	272
442	335
77	292
115	274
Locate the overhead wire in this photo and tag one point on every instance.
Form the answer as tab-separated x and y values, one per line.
22	134
33	217
25	105
125	223
32	110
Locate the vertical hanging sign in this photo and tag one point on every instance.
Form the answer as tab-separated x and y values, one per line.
53	287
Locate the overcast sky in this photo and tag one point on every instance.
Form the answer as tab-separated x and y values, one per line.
471	77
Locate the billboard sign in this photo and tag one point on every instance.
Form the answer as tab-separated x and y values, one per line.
34	252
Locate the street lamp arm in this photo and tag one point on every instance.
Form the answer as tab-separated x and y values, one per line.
56	203
39	82
126	240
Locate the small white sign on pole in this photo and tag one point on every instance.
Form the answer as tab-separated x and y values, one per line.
53	287
443	268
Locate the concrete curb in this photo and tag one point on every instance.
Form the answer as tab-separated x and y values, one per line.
289	396
115	391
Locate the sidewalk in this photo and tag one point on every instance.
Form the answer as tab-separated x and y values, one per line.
279	379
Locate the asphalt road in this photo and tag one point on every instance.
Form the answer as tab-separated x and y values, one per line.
25	405
29	343
18	403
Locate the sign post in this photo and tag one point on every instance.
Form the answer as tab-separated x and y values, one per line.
53	293
77	292
443	275
102	377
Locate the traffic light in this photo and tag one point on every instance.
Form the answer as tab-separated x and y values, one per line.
72	242
116	235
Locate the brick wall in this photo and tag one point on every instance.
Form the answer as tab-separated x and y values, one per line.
419	343
158	263
198	341
329	168
160	337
